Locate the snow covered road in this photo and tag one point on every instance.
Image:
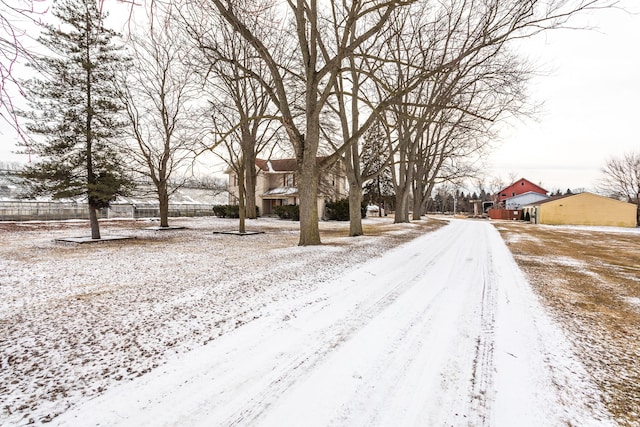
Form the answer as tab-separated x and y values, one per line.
443	330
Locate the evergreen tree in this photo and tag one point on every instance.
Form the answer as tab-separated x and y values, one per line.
374	158
74	110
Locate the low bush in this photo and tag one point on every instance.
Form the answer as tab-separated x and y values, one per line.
291	212
232	211
339	210
219	210
226	211
229	211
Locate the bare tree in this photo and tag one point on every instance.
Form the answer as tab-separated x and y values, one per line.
327	34
459	120
16	17
242	110
453	57
622	178
161	98
467	70
355	100
322	41
239	141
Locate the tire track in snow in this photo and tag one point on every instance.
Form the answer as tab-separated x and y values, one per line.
333	335
405	354
482	379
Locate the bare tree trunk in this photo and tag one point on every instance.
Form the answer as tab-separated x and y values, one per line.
403	183
241	202
163	200
402	206
417	201
308	190
355	191
352	157
93	220
250	181
355	213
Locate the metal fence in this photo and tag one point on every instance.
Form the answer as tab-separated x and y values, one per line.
35	210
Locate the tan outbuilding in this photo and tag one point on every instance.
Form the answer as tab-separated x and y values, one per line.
582	209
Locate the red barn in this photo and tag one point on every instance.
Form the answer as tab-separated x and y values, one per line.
520	186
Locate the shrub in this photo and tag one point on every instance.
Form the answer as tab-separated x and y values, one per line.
339	210
226	211
291	212
220	210
232	211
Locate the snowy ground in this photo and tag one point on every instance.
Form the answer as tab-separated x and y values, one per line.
76	320
589	279
194	328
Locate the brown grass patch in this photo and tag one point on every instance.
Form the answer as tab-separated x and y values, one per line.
590	280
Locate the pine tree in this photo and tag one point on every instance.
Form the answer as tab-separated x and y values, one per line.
74	110
374	163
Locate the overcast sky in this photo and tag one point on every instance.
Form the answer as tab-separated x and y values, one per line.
591	106
590	90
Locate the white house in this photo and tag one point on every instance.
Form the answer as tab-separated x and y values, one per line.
276	184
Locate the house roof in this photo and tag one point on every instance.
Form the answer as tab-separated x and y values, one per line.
280	165
282	191
276	165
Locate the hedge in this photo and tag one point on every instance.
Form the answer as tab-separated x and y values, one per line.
229	211
291	212
339	210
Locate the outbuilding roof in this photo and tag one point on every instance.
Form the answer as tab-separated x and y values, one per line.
564	196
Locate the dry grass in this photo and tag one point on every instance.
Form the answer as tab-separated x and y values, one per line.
590	279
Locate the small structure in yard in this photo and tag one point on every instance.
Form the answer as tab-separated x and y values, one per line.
510	214
582	209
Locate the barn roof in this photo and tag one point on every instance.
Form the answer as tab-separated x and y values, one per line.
542	190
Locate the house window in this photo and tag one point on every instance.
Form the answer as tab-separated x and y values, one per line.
289	180
235	180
